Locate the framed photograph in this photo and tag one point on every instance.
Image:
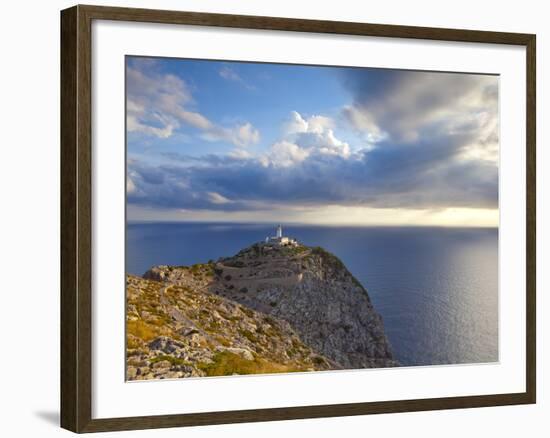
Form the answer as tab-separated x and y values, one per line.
270	218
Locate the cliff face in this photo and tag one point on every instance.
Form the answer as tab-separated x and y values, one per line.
308	288
178	331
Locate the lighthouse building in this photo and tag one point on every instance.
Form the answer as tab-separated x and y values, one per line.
280	240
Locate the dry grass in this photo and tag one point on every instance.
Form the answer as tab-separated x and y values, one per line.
144	331
173	360
133	342
226	363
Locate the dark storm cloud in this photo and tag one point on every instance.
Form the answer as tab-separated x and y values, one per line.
425	177
431	142
407	104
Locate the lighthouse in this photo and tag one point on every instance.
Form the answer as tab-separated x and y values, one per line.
279	240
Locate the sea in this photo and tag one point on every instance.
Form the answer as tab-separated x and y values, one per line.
436	288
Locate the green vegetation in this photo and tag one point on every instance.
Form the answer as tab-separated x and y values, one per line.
248	312
223	341
132	343
256	249
250	336
293	250
231	318
235	263
202	268
136	362
136	352
173	360
144	331
226	363
334	263
330	259
159	308
318	360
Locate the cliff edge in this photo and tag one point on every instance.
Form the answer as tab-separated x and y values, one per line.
175	331
307	288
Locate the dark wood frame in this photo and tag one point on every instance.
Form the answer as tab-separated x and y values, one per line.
76	237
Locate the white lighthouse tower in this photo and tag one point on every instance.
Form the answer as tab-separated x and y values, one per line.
279	240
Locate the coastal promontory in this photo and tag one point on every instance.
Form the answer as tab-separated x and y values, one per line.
269	308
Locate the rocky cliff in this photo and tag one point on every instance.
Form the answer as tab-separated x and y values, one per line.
175	331
307	292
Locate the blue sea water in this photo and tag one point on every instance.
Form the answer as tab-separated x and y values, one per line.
436	288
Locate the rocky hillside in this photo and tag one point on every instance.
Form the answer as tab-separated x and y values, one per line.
308	288
183	330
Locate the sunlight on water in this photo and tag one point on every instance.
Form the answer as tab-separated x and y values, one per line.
436	288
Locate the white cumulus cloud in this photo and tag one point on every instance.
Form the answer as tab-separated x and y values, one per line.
158	105
285	154
309	136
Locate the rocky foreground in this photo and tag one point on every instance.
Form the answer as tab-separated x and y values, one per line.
267	309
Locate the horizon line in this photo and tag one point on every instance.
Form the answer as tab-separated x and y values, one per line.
332	225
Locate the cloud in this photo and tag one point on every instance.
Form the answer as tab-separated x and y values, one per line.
296	124
432	144
285	154
158	104
240	154
292	177
246	134
312	135
230	74
216	198
130	186
409	106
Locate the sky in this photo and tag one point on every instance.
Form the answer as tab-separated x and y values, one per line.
219	141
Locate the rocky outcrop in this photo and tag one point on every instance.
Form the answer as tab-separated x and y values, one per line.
308	288
176	331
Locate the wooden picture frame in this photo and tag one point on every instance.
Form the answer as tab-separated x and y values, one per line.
76	217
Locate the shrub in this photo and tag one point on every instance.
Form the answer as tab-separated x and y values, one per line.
318	360
142	330
226	363
173	360
249	335
248	312
132	342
